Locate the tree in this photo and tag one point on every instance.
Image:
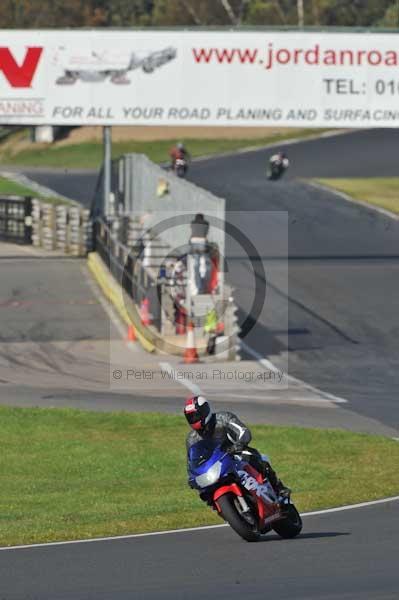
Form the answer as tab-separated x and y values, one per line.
391	16
356	13
199	12
125	13
43	13
272	12
122	13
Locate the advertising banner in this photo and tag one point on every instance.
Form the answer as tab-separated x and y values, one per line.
234	78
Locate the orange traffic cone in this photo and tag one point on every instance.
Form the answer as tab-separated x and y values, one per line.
190	353
131	334
145	315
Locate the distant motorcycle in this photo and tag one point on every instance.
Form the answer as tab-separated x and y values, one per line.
278	164
241	496
180	167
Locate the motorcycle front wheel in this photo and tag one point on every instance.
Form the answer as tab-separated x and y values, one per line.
180	171
291	525
231	515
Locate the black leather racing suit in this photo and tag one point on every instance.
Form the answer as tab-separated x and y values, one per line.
228	431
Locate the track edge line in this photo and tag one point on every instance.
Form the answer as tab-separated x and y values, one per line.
190	529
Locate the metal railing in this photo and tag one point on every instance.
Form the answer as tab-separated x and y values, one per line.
15	219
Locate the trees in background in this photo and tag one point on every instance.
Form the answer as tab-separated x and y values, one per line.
75	13
338	13
124	13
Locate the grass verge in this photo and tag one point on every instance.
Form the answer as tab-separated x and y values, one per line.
69	474
89	155
11	188
379	191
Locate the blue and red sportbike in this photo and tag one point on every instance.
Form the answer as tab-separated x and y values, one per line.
241	495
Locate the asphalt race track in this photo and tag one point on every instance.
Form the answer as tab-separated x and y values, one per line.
364	153
79	183
342	555
343	263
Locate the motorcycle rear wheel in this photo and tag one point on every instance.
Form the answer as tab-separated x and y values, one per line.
235	520
291	525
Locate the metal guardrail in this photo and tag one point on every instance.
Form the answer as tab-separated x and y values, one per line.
125	264
15	219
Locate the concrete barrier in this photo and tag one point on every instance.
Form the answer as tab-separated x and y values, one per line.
114	293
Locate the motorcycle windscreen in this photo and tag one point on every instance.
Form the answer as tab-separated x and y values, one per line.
201	452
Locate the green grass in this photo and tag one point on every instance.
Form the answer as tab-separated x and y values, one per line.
11	188
380	191
69	474
90	154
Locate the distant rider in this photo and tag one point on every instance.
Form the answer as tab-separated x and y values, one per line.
179	152
227	430
280	160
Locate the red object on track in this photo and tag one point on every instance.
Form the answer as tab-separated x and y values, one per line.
190	353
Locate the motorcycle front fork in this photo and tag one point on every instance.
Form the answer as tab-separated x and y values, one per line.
243	504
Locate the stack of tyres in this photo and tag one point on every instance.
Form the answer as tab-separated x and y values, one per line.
65	228
75	241
61	213
48	227
87	232
36	223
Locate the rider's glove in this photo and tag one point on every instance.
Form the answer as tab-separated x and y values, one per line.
191	483
235	449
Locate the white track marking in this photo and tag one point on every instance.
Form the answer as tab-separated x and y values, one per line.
189	529
350	506
271	367
184	382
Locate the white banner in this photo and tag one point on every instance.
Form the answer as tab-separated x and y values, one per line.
199	78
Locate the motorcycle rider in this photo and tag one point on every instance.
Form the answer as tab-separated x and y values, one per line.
227	429
179	152
280	159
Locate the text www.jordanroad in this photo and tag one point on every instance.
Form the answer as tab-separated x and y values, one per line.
224	55
312	56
